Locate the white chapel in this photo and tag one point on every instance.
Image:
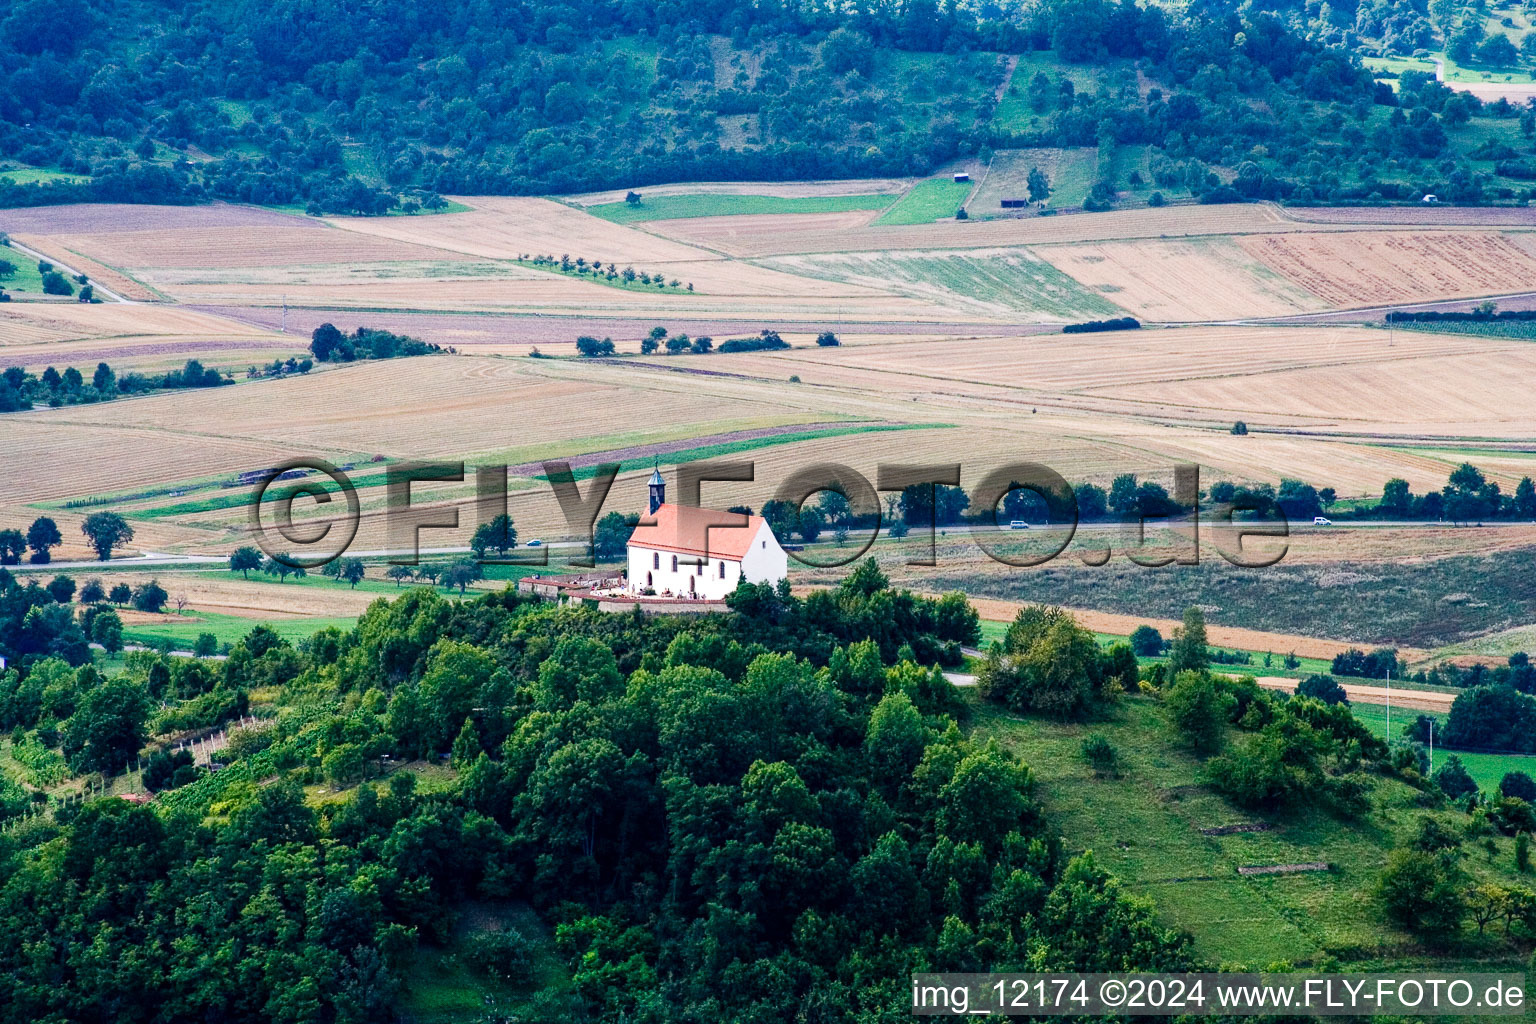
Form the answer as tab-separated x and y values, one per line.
685	552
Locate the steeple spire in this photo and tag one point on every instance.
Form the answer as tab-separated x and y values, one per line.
658	488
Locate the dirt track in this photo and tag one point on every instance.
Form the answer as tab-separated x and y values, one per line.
1361	693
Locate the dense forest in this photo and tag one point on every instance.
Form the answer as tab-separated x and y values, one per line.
362	105
763	816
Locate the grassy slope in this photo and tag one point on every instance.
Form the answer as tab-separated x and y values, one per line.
1486	768
1144	827
927	201
27	280
230	628
709	204
441	986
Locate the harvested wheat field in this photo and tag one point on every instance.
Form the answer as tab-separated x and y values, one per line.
1417	216
720	290
1379	268
235	596
133	337
425	407
781	189
505	228
30	324
976	284
213	247
1191	279
783	234
1452	386
82	218
54	454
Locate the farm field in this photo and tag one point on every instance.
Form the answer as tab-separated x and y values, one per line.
812	233
133	337
985	282
184	629
771	189
1090	406
726	204
1367	269
1188	263
1344	407
1193	279
1070	173
304	242
506	228
927	201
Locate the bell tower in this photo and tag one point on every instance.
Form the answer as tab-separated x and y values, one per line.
658	489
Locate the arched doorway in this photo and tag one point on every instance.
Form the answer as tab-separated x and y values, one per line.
648	582
690	587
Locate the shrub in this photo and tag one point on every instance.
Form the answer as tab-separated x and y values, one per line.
1421	892
827	339
766	341
1101	755
1146	642
1454	780
150	597
1123	323
505	955
1512	816
166	770
1120	666
55	283
1198	707
1046	663
592	347
1323	688
1519	785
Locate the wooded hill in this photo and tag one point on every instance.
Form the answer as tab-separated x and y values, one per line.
356	106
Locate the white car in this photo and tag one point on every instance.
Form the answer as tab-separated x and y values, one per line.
1018	524
1321	521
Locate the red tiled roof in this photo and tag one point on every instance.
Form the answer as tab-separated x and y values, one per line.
697	531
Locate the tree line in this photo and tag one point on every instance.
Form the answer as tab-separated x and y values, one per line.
22	390
103	531
331	345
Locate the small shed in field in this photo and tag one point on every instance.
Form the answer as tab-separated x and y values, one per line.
961	176
1015	204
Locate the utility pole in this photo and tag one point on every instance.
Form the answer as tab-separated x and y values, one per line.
1389	709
